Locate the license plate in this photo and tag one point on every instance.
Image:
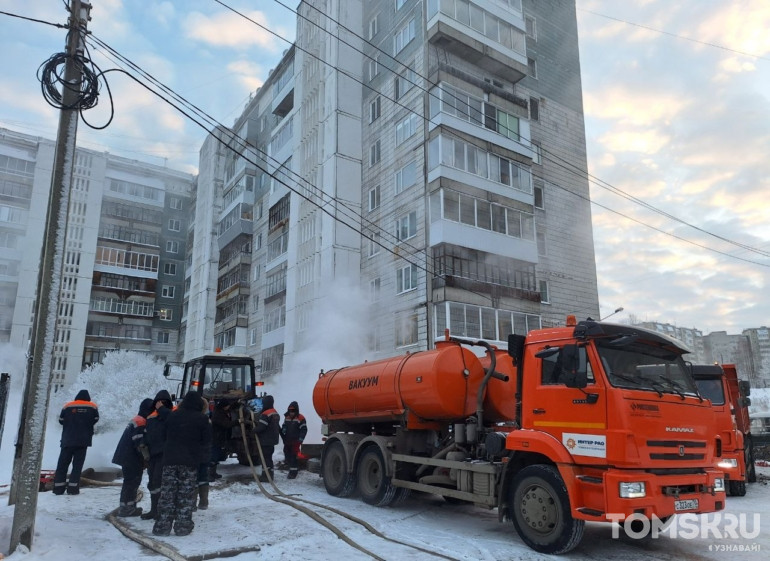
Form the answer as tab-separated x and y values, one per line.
688	504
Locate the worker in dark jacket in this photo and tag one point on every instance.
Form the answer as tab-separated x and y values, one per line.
77	419
131	455
268	429
293	432
188	445
155	438
223	420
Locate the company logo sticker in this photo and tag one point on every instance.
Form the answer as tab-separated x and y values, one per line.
593	445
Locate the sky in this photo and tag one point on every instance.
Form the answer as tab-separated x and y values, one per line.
676	105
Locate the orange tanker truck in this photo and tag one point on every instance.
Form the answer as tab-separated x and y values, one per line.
588	422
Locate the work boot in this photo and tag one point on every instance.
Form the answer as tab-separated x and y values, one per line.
263	478
128	510
292	474
213	475
203	495
152	514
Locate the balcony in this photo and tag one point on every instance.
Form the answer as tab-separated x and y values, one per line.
124	262
123	285
493	42
122	307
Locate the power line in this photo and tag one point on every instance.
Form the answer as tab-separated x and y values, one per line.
59	25
662	32
553	157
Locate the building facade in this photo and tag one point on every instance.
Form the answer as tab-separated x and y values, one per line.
426	158
122	271
759	346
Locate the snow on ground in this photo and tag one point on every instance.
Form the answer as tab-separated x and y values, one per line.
73	528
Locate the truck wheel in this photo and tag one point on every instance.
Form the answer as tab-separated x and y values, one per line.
540	510
373	485
751	470
736	488
334	470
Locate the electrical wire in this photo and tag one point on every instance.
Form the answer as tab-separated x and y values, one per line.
59	25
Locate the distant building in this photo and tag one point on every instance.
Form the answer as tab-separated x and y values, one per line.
122	275
759	344
731	349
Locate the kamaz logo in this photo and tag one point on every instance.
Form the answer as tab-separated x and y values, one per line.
363	382
679	429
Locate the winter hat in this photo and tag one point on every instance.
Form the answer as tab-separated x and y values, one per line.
146	407
83	395
268	402
163	396
293	405
192	401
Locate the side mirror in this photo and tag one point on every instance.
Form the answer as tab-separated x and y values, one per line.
744	386
166	370
745	401
516	346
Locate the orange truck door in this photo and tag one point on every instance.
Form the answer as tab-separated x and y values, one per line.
575	417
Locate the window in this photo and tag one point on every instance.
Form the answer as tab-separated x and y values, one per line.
175	203
374	109
374	290
373	244
374	153
404	82
163	337
541	248
532	65
253	336
545	297
406	329
536	153
406	226
254	302
169	269
529	23
374	198
406	279
373	27
539	194
168	291
534	108
404	36
374	67
174	225
165	314
399	4
553	373
172	246
406	177
406	128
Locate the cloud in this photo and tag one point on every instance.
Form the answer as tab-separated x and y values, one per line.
231	30
739	25
647	141
633	106
248	73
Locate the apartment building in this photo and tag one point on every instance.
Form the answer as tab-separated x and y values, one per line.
122	271
691	337
430	154
759	345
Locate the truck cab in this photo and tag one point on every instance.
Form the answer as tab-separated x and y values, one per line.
730	403
218	376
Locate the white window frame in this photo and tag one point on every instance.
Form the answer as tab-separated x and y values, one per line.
374	27
374	67
545	292
163	337
406	278
375	153
405	129
175	203
406	226
532	66
404	36
375	286
169	269
165	314
168	291
400	185
374	198
174	224
375	109
373	243
172	246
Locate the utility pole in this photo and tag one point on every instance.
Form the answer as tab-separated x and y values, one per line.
38	384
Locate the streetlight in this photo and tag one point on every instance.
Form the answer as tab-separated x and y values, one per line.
617	311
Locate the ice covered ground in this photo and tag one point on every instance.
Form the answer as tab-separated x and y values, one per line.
74	528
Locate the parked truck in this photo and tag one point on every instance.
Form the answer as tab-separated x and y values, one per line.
586	422
730	398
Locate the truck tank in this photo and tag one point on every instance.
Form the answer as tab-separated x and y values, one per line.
500	396
436	385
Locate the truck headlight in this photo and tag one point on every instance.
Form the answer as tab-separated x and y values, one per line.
727	463
719	484
632	490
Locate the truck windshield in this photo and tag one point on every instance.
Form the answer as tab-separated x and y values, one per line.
711	388
221	378
640	365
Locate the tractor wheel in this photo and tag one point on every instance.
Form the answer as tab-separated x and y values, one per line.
736	488
540	510
334	470
373	484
